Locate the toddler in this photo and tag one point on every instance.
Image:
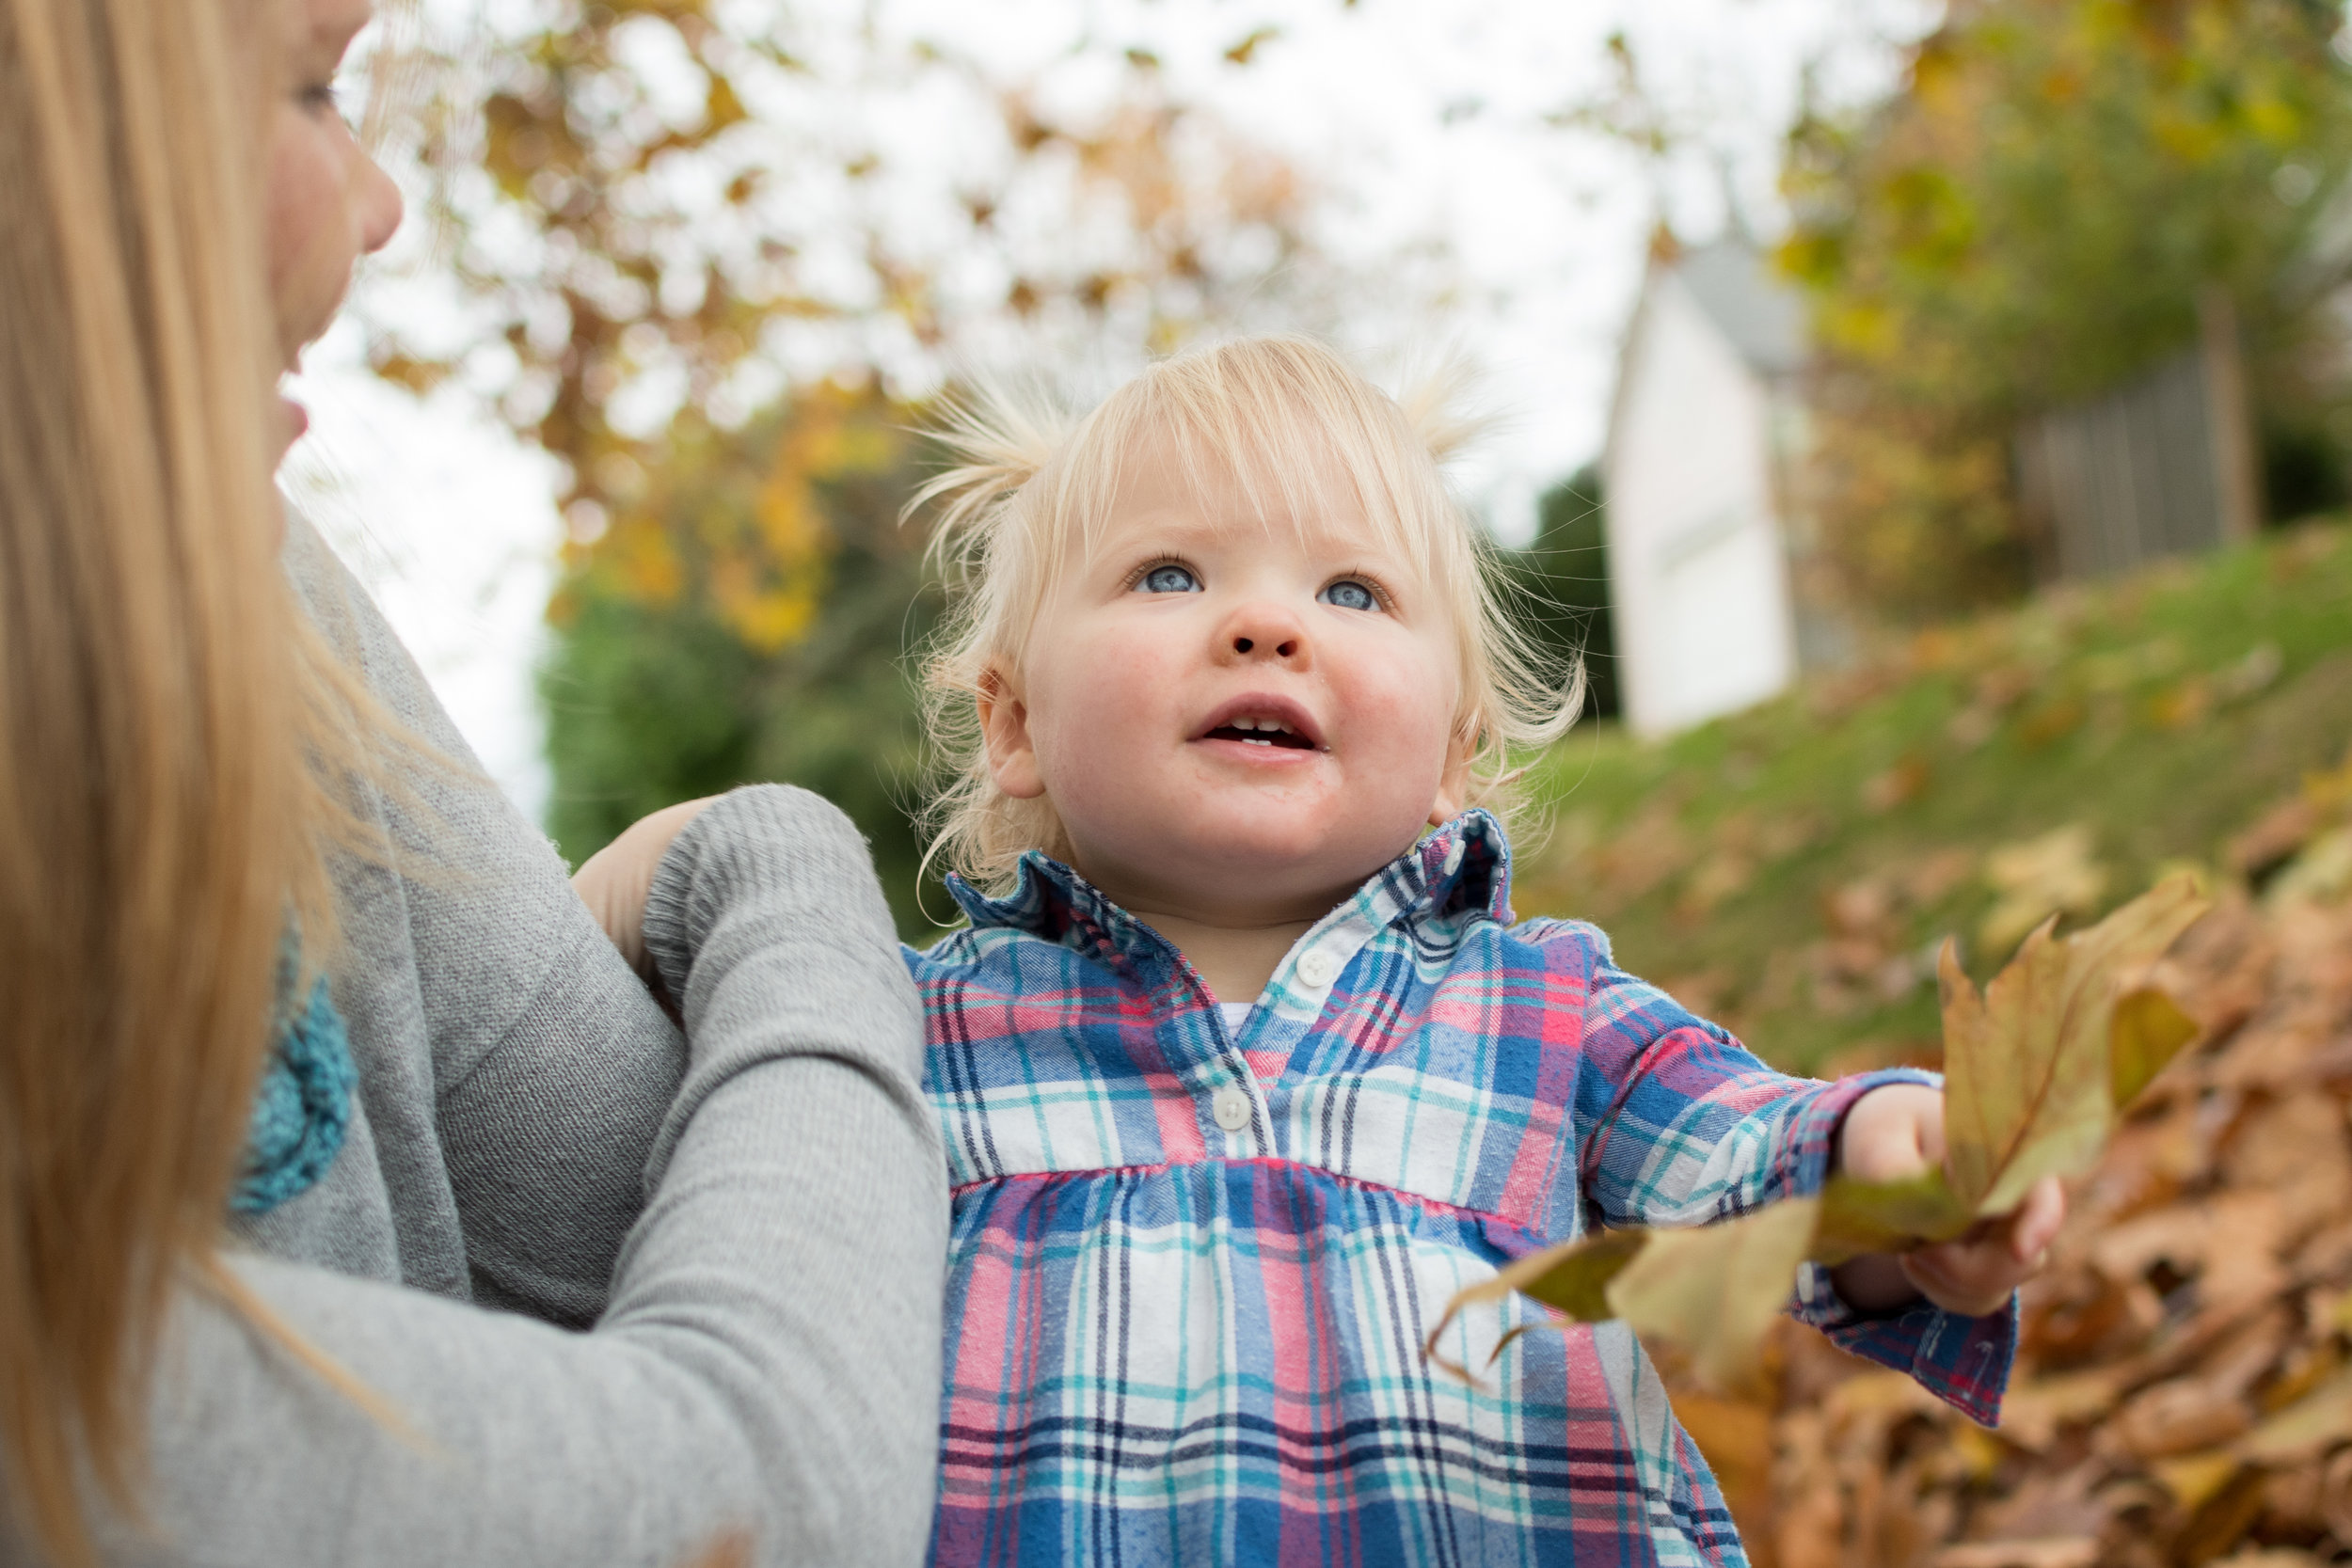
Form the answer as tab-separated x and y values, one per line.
1244	1065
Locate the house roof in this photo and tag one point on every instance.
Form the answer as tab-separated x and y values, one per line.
1753	306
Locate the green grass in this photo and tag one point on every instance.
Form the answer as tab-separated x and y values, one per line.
1789	870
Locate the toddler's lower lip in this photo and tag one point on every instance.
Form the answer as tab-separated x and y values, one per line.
1259	752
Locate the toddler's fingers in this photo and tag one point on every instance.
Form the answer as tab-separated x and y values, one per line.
1969	1277
2037	1221
1930	1113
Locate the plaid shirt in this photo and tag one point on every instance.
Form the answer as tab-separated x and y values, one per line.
1190	1273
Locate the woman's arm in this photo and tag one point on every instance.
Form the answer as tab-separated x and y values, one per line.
514	1073
769	1360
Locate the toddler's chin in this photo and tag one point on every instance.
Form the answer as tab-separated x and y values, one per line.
1275	873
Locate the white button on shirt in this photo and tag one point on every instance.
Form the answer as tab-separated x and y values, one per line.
1318	967
1232	1108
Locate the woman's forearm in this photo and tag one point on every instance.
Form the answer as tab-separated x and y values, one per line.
769	1363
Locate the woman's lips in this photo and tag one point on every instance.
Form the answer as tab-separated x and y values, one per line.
293	419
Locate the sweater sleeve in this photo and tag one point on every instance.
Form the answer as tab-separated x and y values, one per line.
514	1073
768	1368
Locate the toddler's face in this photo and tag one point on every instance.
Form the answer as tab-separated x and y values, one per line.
1234	719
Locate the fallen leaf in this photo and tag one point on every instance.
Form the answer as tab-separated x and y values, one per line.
1712	1290
2029	1068
1859	1218
2196	1477
2061	1551
2051	874
2322	1416
2032	1412
2179	1416
2148	1031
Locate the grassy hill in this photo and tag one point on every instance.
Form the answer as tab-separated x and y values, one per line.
1791	869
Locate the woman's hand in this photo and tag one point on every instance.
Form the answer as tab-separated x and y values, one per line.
1897	1131
614	882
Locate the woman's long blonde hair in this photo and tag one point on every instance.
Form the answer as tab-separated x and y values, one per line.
168	725
1034	490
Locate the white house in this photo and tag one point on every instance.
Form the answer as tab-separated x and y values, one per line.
1705	428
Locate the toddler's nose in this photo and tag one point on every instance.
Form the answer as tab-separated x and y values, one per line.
1265	631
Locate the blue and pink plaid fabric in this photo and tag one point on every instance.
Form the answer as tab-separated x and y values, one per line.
1190	1273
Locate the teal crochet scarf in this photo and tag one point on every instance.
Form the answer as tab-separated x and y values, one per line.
304	1108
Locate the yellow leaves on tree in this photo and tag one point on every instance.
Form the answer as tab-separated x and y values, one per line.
756	542
688	200
2028	222
768	583
2037	1067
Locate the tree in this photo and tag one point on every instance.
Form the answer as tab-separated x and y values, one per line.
1560	583
655	208
762	632
686	249
2030	220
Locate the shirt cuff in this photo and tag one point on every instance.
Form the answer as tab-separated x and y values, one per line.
1962	1361
1809	1144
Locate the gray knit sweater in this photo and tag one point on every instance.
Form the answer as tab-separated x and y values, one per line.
716	1261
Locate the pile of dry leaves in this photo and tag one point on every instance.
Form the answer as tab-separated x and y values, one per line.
2183	1392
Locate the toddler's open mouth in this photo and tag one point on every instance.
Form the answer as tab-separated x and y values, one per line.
1261	731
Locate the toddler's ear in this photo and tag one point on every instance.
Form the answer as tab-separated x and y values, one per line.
1453	786
1004	731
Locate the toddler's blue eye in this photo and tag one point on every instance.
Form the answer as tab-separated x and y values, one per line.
1169	579
1349	595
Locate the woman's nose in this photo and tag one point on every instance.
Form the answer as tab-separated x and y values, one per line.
379	204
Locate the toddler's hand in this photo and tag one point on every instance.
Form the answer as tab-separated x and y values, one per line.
616	879
1895	1131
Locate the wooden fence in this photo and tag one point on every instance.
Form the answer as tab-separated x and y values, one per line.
2163	465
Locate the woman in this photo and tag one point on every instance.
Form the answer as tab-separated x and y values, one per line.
463	1254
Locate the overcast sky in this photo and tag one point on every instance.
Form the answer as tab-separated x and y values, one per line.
1414	118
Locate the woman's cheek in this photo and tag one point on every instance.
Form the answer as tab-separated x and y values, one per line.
310	255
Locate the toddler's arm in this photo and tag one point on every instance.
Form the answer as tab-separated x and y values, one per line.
1677	1123
616	879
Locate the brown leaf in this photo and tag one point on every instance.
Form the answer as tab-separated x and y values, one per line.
1572	1277
2058	1551
2032	1413
1711	1292
2148	1031
1859	1218
1707	1293
2028	1062
2320	1418
2180	1416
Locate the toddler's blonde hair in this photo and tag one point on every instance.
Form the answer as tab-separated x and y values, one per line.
1033	493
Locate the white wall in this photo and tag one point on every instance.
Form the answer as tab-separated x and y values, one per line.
1697	575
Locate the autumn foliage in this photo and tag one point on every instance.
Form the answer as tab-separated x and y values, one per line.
2184	1390
2030	222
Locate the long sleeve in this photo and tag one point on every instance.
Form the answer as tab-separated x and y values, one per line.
514	1073
1678	1123
768	1362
